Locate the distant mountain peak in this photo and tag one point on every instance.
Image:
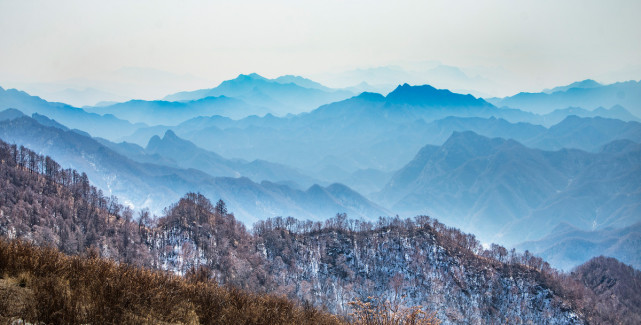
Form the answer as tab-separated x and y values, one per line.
587	83
427	95
301	81
371	96
10	114
170	144
154	142
251	76
467	136
169	134
475	144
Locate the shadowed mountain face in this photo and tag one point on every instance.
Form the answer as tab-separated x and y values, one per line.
500	187
626	94
287	94
152	185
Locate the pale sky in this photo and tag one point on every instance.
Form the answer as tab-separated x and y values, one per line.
529	44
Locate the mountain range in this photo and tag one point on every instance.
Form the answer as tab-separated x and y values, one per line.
152	185
361	124
369	129
502	172
172	113
283	95
568	246
100	125
586	94
173	151
507	193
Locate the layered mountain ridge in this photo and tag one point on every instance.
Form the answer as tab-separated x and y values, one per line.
536	176
149	185
498	186
588	96
287	94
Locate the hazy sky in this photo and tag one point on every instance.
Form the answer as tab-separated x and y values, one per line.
532	43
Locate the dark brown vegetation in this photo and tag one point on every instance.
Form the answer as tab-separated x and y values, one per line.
40	284
616	288
385	312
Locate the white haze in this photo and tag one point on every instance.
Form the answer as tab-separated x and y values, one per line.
58	48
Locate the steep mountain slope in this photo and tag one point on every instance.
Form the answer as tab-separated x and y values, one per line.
106	126
626	94
173	113
151	185
567	247
282	96
506	192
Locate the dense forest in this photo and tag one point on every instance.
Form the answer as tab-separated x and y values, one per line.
330	264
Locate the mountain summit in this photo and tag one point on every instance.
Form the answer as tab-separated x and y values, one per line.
286	94
427	95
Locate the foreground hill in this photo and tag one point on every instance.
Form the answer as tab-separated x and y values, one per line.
43	285
152	185
498	186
